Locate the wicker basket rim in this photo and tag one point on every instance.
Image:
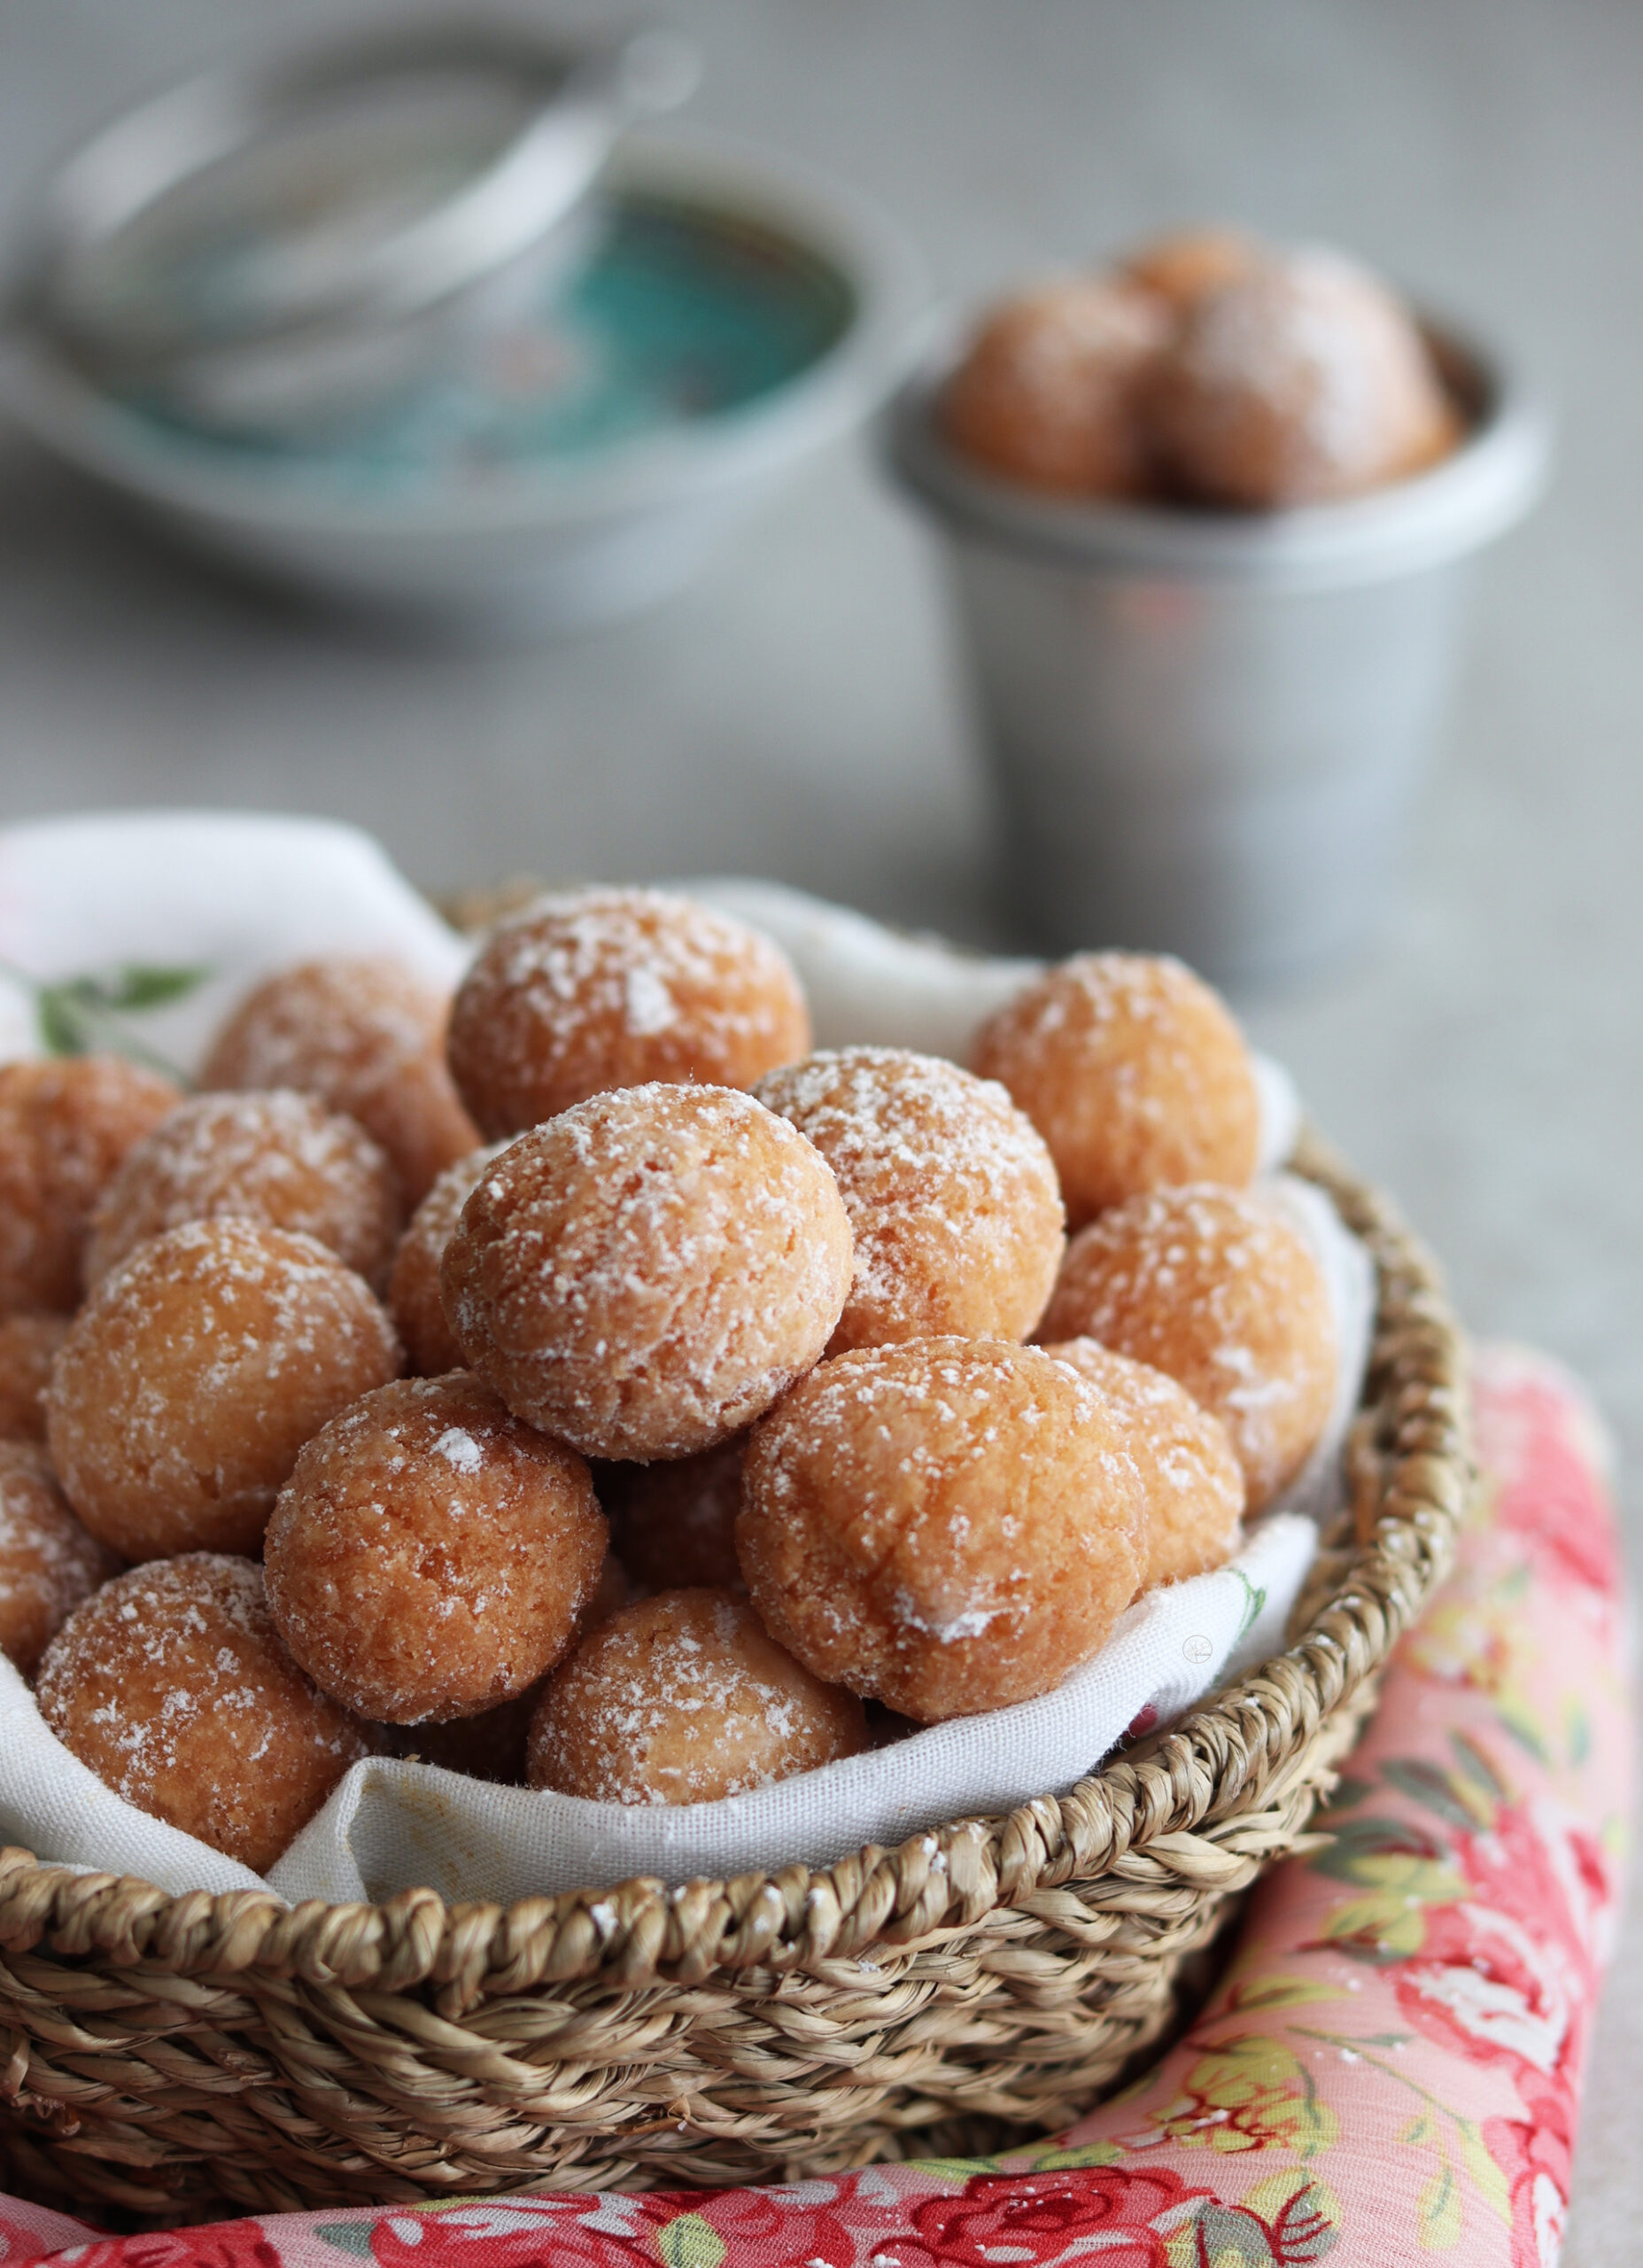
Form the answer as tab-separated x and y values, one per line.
1182	1812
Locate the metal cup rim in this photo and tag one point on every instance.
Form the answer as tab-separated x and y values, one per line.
1468	499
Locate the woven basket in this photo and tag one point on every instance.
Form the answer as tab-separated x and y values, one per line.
181	2056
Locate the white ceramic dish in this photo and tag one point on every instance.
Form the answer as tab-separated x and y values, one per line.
551	544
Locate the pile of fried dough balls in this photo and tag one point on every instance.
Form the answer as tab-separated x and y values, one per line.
327	1389
1209	370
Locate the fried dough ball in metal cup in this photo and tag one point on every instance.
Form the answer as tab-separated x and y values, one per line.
281	1159
1193	1481
414	1297
28	1347
952	1195
647	1272
48	1562
1135	1074
193	1375
1049	391
366	1035
685	1698
1181	266
675	1524
173	1686
65	1127
1215	1288
947	1525
594	989
430	1557
1303	381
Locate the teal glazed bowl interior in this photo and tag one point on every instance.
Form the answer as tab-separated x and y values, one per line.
721	318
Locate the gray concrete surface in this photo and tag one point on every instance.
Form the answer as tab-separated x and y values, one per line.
800	713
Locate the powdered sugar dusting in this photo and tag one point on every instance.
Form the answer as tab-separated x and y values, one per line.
1214	1287
460	1449
952	1196
684	1699
949	1524
589	990
48	1562
280	1158
195	1372
172	1685
649	1269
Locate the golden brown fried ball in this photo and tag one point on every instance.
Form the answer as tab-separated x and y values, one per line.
594	989
952	1196
172	1685
64	1128
1048	390
491	1746
647	1272
367	1036
685	1699
1181	266
1192	1481
1213	1287
414	1297
675	1524
281	1159
1133	1071
430	1557
949	1525
1303	381
193	1375
28	1347
48	1562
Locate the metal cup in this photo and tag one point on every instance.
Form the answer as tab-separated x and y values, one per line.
1207	730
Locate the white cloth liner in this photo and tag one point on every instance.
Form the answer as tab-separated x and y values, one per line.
244	895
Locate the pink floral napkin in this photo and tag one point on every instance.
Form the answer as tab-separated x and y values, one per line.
1390	2069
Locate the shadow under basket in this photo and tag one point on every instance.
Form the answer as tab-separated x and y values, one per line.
177	2058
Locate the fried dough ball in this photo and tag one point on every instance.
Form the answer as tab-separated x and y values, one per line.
367	1036
1193	1483
647	1272
683	1699
1133	1073
429	1556
172	1685
950	1525
1302	381
675	1524
1049	391
414	1300
48	1562
1213	1287
193	1375
64	1128
491	1746
593	989
281	1159
952	1196
1181	266
28	1347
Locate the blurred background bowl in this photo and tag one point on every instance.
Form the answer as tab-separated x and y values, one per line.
787	306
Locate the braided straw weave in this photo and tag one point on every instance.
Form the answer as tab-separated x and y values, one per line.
182	2056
